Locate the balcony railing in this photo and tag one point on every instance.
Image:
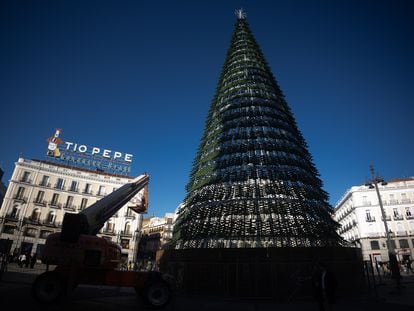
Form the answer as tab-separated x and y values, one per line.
108	231
387	218
55	204
409	217
126	233
12	217
33	221
400	233
26	180
20	198
69	207
129	215
49	223
73	189
44	184
39	202
372	219
398	217
405	201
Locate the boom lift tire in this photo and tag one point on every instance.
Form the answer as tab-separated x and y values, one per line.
48	287
156	294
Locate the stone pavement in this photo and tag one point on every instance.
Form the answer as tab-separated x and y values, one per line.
16	282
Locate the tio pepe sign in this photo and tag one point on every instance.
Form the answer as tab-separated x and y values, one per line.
89	157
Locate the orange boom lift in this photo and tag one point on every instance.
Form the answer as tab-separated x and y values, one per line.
81	257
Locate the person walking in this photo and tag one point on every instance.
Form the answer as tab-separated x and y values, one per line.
33	260
324	286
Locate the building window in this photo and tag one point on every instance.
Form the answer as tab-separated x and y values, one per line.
39	197
125	243
55	199
69	201
45	181
35	215
369	218
44	234
375	245
408	212
84	202
109	227
8	229
51	217
19	194
25	177
74	186
127	229
60	183
31	232
15	211
101	190
87	188
403	243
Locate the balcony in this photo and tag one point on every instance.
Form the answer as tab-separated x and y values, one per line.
108	231
44	184
20	198
401	233
372	219
126	233
50	223
398	217
55	205
73	189
12	217
405	201
32	221
26	180
387	218
70	207
129	215
39	202
392	202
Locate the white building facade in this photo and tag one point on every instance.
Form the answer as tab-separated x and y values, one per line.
41	192
359	214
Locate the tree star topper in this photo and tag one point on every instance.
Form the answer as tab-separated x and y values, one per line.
240	13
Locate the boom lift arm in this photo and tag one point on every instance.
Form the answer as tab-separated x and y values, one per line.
92	219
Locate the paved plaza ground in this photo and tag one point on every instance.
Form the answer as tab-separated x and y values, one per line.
16	283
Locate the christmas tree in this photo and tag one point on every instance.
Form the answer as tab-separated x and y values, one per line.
253	182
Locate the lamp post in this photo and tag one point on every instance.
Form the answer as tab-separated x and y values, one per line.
395	270
374	184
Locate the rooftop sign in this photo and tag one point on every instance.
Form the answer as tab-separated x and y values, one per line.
88	157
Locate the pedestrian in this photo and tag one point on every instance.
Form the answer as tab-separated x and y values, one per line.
408	266
27	262
33	260
324	286
22	260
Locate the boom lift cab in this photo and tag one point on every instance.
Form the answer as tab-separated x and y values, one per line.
81	257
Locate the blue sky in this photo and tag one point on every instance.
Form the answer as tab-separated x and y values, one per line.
139	77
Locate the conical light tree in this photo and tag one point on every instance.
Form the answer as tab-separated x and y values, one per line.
253	182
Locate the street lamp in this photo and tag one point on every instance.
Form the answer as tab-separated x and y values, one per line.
376	179
395	271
